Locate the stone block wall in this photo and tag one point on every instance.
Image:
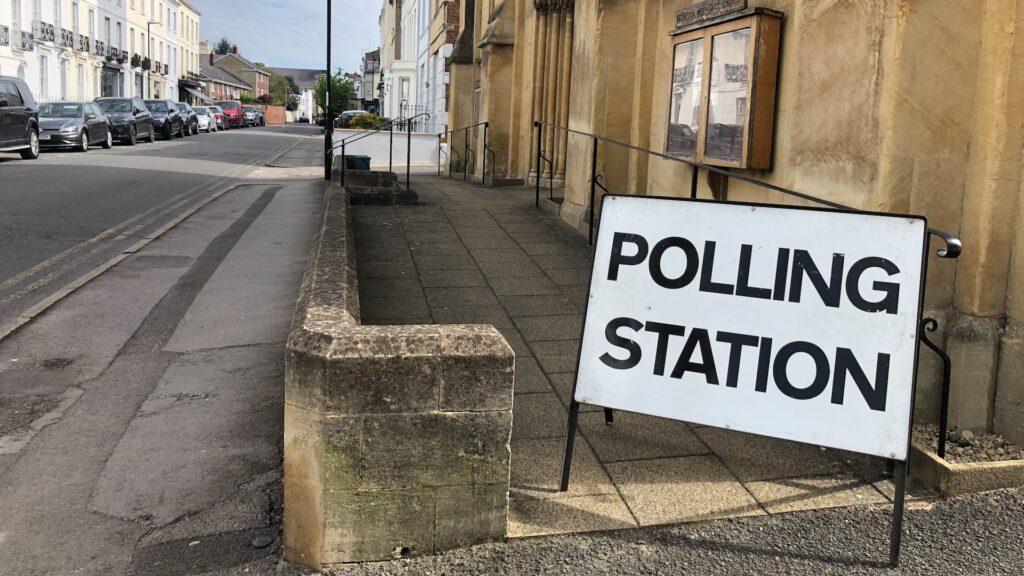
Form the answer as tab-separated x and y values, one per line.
396	437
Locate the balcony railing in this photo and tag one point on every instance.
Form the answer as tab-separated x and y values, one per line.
5	35
67	38
83	43
22	41
147	64
43	32
99	48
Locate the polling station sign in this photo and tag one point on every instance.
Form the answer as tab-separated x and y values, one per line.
793	323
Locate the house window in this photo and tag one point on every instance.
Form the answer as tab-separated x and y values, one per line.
44	78
74	18
81	82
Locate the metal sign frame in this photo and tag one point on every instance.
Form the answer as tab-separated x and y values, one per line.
900	467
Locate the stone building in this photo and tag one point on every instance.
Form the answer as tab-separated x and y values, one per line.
398	57
912	106
256	77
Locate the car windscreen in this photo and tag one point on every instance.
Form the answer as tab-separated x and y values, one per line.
156	106
228	105
116	106
201	110
60	110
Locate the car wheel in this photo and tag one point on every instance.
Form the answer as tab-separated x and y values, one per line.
133	136
83	141
167	133
108	143
32	152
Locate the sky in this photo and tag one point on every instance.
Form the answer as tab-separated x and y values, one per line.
292	33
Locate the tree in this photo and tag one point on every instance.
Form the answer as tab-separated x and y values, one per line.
224	46
280	91
259	64
342	90
246	98
293	86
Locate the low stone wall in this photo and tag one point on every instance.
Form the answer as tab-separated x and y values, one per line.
396	437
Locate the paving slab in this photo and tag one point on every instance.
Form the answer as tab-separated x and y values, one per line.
539	415
813	493
672	490
529	517
639	437
537	469
545	328
753	457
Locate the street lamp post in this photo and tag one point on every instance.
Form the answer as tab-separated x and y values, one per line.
329	119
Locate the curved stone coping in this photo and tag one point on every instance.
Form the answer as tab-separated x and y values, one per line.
396	437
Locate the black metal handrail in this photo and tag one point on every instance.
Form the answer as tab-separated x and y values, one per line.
951	250
953	246
470	152
391	146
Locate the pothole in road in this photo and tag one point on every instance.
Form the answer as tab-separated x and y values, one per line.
56	363
17	413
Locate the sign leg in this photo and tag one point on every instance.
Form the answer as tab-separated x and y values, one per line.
570	441
896	536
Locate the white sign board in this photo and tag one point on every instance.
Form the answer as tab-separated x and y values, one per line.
786	322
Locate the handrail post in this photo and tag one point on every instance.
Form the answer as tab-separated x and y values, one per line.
391	147
465	161
693	181
439	155
593	190
483	171
344	163
408	156
540	137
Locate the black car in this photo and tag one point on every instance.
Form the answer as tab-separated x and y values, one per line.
75	125
130	119
19	118
190	117
167	119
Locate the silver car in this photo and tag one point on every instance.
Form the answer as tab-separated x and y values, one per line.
207	121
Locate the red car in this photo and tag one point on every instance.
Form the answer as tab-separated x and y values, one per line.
234	117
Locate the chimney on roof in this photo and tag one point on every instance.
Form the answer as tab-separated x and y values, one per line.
211	58
234	50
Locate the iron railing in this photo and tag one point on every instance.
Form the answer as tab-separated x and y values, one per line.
950	249
405	124
468	152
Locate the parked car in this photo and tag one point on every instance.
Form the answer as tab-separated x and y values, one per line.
217	114
190	118
346	117
205	119
19	118
130	119
252	117
167	119
76	125
261	116
233	112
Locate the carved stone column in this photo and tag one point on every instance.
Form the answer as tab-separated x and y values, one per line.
563	93
553	62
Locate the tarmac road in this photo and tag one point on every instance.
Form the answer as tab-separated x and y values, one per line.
69	212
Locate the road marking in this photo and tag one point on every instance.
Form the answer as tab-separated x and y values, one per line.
170	204
30	314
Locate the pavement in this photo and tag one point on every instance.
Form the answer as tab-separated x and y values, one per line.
142	412
469	254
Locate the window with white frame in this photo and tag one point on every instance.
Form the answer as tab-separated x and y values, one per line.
44	78
81	82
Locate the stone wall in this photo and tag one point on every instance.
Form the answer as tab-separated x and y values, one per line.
396	437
